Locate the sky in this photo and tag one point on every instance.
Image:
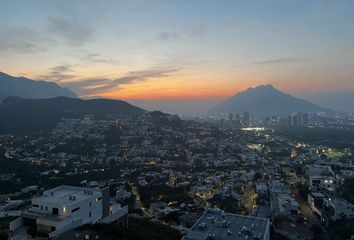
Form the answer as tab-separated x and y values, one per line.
179	50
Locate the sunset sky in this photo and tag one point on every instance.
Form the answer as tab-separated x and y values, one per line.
182	49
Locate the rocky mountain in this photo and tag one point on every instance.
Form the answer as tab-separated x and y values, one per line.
265	100
27	88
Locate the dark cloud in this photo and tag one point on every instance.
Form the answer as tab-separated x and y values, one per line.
73	31
97	58
59	73
82	84
22	40
100	85
193	32
198	31
280	61
274	28
61	68
168	36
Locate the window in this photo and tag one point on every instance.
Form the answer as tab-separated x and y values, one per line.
46	208
89	214
35	205
90	204
55	211
98	199
41	207
75	209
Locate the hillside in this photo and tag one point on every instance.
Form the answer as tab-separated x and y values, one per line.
265	100
19	114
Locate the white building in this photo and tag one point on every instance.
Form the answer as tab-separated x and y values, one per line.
63	208
322	178
318	183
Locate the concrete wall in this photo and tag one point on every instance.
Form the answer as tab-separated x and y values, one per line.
65	228
116	215
15	224
105	202
84	212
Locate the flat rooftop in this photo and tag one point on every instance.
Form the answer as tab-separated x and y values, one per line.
317	194
62	194
216	224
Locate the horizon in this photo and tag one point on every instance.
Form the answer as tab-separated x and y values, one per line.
138	51
186	107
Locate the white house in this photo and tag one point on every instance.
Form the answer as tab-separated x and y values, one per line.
63	208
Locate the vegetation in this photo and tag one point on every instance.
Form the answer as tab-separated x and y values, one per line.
76	146
334	154
25	171
162	192
348	190
138	229
303	190
325	136
3	235
343	228
4	225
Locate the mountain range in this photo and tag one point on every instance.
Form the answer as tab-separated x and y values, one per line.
265	100
27	88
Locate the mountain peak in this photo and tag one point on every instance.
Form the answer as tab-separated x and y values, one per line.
264	87
265	100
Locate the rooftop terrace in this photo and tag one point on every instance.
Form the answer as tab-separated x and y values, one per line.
216	224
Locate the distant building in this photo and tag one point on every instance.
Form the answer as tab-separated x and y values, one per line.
237	117
305	119
63	208
231	117
216	224
297	119
290	120
321	178
246	117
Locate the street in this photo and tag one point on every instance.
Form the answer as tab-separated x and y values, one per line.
138	202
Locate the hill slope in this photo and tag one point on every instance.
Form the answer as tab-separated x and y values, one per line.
265	100
27	88
21	115
342	100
